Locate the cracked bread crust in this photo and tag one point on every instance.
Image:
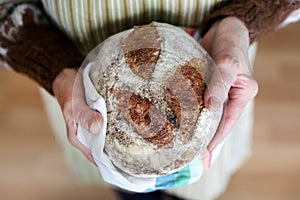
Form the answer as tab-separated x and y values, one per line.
155	108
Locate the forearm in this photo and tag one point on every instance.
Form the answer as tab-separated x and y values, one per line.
260	17
32	45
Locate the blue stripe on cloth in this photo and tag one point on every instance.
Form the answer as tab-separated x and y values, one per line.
165	182
185	176
179	178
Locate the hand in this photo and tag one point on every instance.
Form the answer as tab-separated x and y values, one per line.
233	82
75	109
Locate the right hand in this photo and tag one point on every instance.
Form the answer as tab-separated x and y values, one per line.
75	109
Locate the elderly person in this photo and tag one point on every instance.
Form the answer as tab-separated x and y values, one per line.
47	41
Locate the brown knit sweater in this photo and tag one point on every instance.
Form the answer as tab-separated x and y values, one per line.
260	17
32	45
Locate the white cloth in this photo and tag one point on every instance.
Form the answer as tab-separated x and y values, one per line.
108	171
95	142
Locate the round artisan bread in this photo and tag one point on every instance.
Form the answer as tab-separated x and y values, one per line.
153	79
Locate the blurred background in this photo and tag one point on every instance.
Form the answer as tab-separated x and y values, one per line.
32	166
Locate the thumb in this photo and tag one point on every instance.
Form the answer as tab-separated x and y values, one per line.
89	119
217	94
221	80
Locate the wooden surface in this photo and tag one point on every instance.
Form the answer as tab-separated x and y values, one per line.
32	165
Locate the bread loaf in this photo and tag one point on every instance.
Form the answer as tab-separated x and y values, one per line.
153	78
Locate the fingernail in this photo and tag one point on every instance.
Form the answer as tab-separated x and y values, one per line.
95	128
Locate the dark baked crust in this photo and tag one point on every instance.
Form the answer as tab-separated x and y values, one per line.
142	49
147	120
184	94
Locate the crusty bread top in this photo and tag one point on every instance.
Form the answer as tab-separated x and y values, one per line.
153	79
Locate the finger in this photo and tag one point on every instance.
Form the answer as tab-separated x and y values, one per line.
72	137
228	50
243	90
222	78
231	114
89	119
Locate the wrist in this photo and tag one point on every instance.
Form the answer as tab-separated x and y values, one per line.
63	84
33	45
239	27
229	27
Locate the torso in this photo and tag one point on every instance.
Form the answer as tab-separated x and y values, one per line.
88	22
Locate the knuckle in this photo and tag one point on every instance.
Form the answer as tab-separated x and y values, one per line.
82	114
255	87
252	86
84	117
232	119
227	61
228	66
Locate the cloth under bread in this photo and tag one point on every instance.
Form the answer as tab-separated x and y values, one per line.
95	142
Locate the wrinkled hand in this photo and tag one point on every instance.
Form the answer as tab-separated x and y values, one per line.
233	82
75	109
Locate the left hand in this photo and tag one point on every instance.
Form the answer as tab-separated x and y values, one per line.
232	83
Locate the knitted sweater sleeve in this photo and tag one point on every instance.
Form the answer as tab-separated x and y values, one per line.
260	17
30	44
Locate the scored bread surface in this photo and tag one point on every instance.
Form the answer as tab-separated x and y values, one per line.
153	79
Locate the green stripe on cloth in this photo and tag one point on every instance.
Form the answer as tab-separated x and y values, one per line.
187	175
182	177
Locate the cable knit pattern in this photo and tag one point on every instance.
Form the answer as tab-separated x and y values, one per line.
260	17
